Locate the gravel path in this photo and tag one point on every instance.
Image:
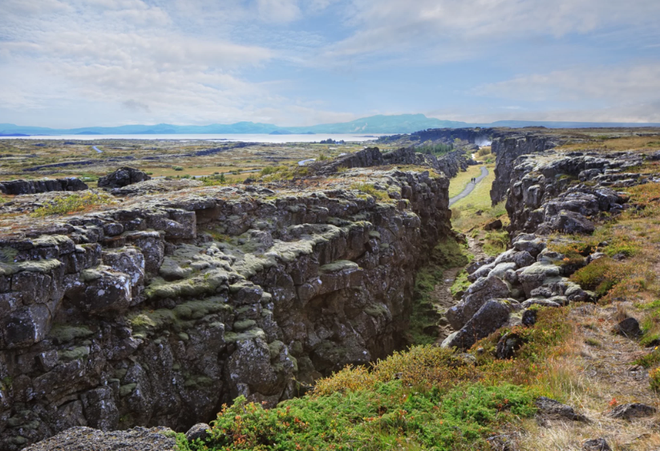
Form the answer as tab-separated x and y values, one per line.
470	186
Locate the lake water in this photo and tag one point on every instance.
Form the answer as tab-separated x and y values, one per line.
215	138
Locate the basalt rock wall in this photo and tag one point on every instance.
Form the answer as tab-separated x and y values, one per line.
450	164
41	186
507	148
158	312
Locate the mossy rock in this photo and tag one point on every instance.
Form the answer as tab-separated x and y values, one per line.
77	353
64	334
43	266
376	310
340	265
204	284
232	337
240	326
126	390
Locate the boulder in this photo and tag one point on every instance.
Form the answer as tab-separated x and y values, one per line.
529	317
530	243
123	177
507	346
632	410
490	317
596	444
571	222
484	289
629	327
494	225
199	431
554	410
536	275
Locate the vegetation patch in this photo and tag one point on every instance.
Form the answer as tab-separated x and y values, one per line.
371	190
423	398
74	203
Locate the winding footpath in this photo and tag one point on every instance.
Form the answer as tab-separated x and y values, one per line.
470	186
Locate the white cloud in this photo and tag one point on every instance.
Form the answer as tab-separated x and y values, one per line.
468	26
278	10
633	84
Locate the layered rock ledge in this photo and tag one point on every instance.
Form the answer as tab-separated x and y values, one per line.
157	310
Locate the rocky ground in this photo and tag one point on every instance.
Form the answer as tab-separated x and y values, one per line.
298	279
155	309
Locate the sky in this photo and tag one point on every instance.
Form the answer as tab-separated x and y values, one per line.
75	63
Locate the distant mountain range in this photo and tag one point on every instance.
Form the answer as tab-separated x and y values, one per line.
402	123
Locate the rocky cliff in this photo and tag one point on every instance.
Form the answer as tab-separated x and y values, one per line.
450	164
551	191
157	310
15	187
507	148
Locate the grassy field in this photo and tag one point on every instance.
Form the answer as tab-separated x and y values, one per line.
458	183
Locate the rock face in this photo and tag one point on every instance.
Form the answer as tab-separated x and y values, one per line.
507	148
18	187
547	192
158	312
564	192
123	177
450	164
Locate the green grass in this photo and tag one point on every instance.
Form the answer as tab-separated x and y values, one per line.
425	398
458	183
479	198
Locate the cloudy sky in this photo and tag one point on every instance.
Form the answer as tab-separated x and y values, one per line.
71	63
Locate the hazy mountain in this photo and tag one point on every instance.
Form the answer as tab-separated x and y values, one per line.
402	123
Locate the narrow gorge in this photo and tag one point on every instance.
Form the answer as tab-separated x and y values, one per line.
161	308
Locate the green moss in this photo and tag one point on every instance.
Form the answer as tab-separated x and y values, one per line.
231	337
240	326
8	254
198	382
461	283
340	265
204	284
75	353
275	348
448	253
64	334
182	317
376	310
40	266
127	389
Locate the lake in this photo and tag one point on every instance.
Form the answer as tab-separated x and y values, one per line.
215	138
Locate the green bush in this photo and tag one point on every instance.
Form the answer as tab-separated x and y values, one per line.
377	419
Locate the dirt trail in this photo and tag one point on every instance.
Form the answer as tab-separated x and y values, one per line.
441	295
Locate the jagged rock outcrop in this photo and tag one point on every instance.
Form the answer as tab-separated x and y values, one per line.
547	192
450	164
123	176
159	311
565	192
477	135
507	148
17	187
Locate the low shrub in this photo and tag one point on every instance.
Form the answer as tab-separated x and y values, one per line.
654	379
371	190
73	203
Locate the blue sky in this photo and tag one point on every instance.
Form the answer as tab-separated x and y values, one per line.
71	63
